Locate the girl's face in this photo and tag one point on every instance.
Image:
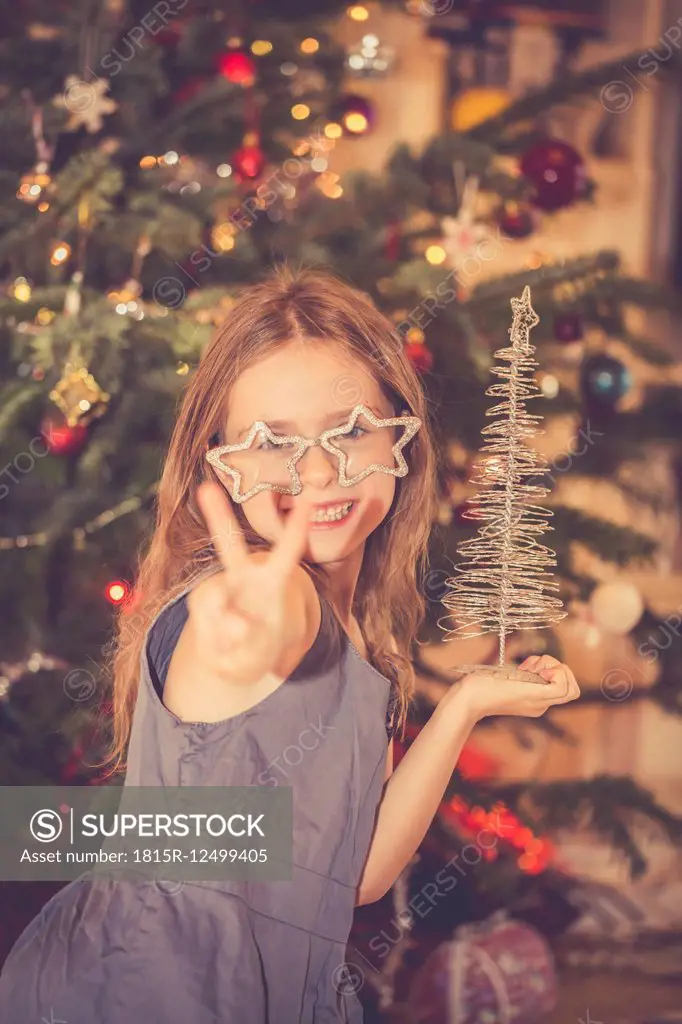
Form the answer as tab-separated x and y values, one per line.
312	387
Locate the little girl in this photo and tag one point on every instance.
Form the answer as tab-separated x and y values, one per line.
278	602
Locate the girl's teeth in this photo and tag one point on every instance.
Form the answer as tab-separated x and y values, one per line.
332	514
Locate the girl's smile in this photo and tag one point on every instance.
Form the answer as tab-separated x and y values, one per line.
328	515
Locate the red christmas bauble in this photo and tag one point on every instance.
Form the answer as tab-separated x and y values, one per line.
248	161
568	327
237	67
517	220
60	438
419	355
557	173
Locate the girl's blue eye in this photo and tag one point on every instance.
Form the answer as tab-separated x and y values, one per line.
267	445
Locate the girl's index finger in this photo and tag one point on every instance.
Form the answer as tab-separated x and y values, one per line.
288	550
224	531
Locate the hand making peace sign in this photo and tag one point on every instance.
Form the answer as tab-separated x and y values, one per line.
240	613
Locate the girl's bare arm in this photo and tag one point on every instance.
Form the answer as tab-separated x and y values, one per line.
414	791
412	796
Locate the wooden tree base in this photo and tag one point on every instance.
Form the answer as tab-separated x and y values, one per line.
501	672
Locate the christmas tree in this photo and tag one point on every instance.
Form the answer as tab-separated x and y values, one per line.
503	585
132	165
154	162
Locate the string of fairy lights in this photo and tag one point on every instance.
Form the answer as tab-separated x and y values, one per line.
238	65
116	591
77	393
80	533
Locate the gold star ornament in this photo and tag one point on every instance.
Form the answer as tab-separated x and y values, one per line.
78	395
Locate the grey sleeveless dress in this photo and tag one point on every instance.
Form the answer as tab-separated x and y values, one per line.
107	951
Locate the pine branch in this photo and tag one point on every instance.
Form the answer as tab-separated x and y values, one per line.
618	544
497	290
90	173
478	157
647	349
641	496
565	89
51	297
639	292
14	398
607	804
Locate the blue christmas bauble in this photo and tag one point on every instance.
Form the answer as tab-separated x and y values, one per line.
604	380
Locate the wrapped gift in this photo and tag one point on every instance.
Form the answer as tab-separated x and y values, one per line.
499	971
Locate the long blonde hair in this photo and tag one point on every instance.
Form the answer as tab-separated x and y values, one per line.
306	304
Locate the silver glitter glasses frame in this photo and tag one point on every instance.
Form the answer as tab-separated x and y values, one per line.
410	423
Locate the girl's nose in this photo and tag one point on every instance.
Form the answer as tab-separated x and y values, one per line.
317	467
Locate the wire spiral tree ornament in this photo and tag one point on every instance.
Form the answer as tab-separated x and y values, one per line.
503	584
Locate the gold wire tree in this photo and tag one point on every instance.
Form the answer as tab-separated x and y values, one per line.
503	585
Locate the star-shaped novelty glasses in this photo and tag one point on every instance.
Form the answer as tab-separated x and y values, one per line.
267	464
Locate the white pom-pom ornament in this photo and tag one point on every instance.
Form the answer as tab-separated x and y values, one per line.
616	607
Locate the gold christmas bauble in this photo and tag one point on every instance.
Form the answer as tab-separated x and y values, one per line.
472	106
